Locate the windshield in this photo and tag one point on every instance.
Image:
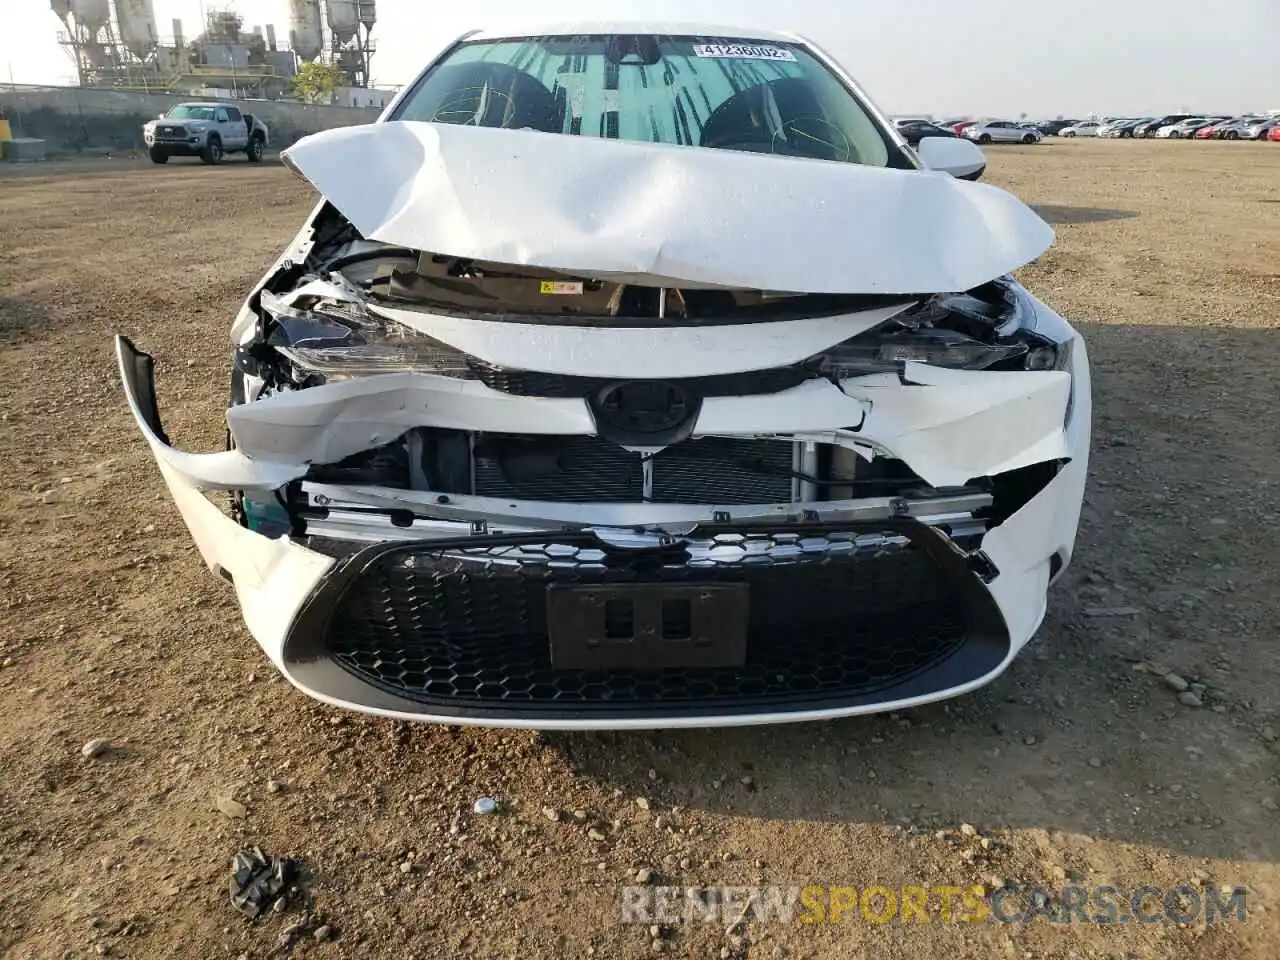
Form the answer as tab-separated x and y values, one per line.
683	90
187	112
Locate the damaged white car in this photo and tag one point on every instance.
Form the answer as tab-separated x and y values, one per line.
641	376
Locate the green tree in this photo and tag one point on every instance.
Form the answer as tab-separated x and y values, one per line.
315	82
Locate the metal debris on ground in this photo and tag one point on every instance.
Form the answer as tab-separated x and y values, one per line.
258	881
1112	611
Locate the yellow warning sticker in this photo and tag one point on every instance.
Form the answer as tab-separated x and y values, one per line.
562	286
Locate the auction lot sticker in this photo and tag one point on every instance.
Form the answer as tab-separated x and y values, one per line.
742	51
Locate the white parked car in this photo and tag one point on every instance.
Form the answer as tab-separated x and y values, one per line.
1259	129
1002	131
1183	128
581	401
1086	128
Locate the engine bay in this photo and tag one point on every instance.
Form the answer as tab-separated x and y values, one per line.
325	320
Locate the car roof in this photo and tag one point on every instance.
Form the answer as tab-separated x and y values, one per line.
202	103
669	28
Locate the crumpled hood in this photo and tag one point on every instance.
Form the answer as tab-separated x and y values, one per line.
656	213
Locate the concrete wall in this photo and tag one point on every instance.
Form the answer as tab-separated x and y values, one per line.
74	118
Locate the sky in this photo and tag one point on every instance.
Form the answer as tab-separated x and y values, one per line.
1043	58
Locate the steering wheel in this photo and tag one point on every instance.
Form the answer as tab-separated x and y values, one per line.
812	136
462	106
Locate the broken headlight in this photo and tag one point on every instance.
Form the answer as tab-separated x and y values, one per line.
880	352
990	328
337	339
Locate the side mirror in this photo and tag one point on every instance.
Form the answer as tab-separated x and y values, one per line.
954	155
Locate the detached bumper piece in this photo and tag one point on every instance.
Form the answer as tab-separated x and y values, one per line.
722	622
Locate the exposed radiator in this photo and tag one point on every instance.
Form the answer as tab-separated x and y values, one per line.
567	469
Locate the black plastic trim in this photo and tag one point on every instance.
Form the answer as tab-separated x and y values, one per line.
530	383
140	372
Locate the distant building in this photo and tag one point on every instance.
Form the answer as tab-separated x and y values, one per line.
368	97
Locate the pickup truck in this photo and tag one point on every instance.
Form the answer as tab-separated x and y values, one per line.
206	130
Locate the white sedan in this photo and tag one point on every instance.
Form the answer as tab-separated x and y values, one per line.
1002	131
640	376
1184	128
1086	128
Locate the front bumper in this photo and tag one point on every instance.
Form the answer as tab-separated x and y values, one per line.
178	148
847	616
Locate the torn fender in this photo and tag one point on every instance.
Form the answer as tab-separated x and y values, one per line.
657	213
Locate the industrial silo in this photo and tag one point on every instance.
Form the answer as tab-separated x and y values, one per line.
62	8
92	15
343	19
306	34
137	26
367	12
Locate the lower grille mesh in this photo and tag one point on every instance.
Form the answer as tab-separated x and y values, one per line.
830	615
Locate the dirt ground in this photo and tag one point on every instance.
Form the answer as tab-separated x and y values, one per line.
1079	765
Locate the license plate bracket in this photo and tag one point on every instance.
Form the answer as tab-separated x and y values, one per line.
647	626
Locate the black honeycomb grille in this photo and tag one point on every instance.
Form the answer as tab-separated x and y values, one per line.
830	615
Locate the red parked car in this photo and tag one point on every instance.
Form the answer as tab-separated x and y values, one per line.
963	125
1274	134
1206	133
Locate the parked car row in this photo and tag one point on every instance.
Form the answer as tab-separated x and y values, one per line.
1178	126
1249	126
